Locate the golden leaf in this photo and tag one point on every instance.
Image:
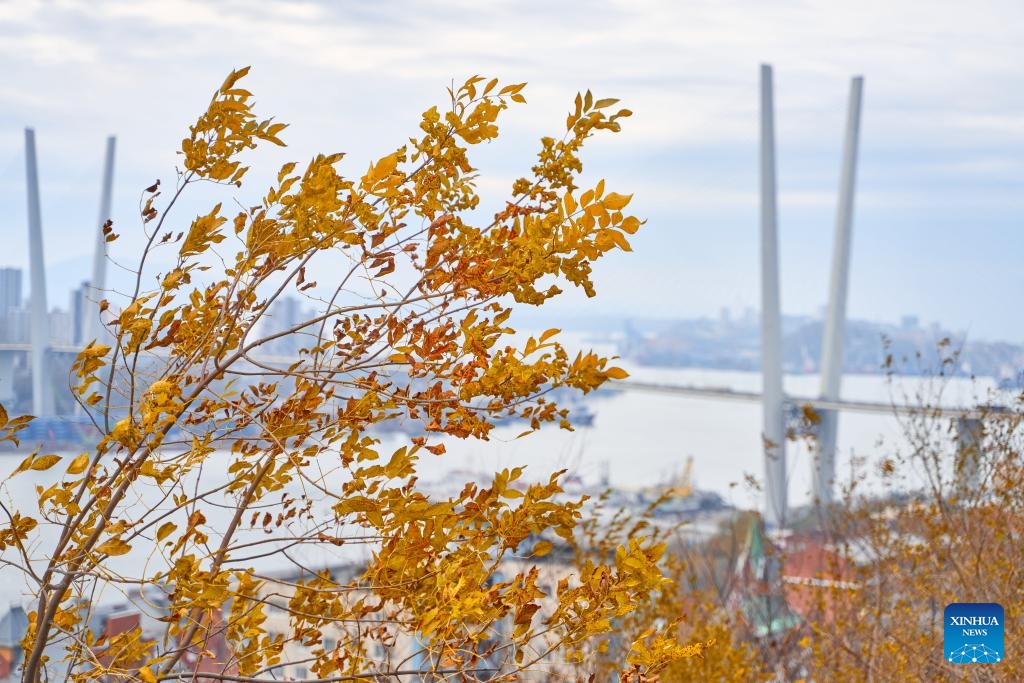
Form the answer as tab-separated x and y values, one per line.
165	530
25	464
234	77
79	464
616	373
616	201
113	547
620	241
548	334
630	224
45	462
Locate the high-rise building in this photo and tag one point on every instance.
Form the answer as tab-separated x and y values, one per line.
14	328
10	302
285	313
10	289
80	307
61	330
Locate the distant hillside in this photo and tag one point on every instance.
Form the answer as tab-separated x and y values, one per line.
736	345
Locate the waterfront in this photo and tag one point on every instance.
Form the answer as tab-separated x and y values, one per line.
646	438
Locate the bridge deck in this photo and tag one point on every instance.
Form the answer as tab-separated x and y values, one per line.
718	393
726	394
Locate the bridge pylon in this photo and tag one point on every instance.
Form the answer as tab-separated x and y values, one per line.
824	462
39	314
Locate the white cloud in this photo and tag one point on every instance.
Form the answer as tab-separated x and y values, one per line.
48	49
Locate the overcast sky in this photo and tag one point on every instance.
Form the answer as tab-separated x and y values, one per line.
938	222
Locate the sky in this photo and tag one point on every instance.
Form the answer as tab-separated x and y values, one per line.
938	228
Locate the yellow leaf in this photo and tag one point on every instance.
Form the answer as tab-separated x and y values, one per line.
542	548
25	464
79	464
165	530
146	675
234	77
113	547
44	462
616	201
630	224
570	204
620	241
548	334
386	166
94	350
203	233
616	373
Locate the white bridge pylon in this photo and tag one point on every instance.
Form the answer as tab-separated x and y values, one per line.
772	397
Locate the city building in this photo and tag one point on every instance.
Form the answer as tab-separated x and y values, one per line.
10	303
80	307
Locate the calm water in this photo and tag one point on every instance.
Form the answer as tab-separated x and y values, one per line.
645	438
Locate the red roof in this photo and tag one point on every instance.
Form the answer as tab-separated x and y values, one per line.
813	574
121	623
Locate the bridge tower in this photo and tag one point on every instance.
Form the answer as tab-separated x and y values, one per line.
824	462
39	316
92	326
774	435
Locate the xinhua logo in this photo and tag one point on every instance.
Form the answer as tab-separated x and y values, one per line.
973	633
